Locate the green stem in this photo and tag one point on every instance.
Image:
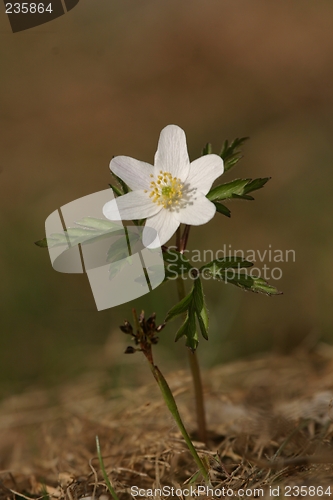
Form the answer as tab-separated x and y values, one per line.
199	399
171	404
192	356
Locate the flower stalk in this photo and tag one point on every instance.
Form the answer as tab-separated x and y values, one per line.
145	337
192	355
171	404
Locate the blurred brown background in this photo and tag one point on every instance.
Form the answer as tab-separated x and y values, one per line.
104	80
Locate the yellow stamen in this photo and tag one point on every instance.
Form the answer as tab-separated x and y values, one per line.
166	190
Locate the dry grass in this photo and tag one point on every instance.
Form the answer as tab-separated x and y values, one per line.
270	423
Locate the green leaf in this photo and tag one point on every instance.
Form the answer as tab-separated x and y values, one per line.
154	273
125	189
260	285
200	308
238	188
222	209
194	306
183	330
120	192
215	267
89	230
169	274
231	153
55	240
121	248
118	265
42	243
171	256
98	224
189	330
175	263
116	190
78	235
250	283
207	150
180	308
192	340
243	197
256	184
227	190
120	253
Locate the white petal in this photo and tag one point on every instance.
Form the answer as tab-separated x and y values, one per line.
131	206
171	155
135	173
197	212
204	171
165	224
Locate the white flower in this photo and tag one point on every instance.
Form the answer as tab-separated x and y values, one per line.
169	193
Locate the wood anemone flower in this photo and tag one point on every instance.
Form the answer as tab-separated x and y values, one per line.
170	192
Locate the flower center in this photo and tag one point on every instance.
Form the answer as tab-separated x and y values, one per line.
166	190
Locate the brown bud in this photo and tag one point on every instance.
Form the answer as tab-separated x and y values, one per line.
130	350
126	328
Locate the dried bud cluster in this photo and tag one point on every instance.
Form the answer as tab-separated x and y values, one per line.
145	334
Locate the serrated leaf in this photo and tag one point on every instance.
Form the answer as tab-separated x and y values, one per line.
55	240
180	308
222	209
98	224
124	189
232	162
121	248
242	197
200	308
171	256
207	150
238	188
89	230
256	184
227	190
176	263
42	243
231	154
116	190
215	267
194	306
123	185
183	330
142	280
203	321
118	265
79	233
169	275
192	340
189	330
246	282
262	286
120	252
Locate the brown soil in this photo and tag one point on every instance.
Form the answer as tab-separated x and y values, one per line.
270	424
